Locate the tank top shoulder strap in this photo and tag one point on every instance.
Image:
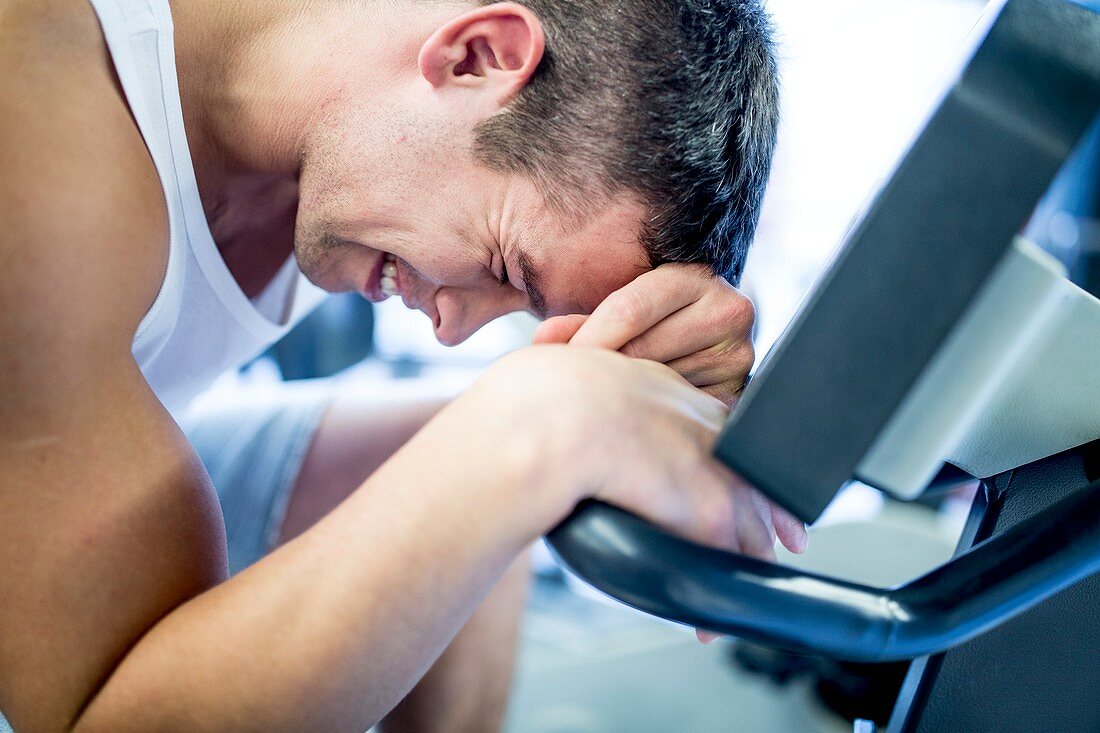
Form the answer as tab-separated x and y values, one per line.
134	31
201	322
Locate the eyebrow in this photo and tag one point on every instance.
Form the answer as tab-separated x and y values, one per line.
531	284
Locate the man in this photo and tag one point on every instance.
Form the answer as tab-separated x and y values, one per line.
474	159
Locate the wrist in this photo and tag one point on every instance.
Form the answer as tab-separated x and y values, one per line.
500	462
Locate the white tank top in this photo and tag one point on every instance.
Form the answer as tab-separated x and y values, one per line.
201	323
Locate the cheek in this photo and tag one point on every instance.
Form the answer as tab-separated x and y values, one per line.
435	261
449	265
350	181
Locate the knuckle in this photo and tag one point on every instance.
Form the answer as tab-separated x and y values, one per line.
742	309
737	314
747	355
741	358
629	307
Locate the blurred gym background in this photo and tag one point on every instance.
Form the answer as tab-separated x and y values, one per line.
859	77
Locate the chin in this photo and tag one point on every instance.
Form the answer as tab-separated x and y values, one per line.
323	265
323	274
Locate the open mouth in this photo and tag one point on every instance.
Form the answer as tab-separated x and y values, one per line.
386	282
389	283
383	281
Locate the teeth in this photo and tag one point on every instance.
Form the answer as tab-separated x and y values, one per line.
388	284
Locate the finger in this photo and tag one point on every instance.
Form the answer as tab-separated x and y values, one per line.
721	320
708	514
687	331
559	329
755	529
719	364
644	302
790	530
707	637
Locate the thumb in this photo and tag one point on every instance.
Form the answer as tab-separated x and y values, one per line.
559	329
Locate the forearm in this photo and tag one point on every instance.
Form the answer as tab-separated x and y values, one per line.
333	629
466	690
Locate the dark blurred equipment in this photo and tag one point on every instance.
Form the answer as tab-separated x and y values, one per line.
937	336
850	689
1067	223
337	335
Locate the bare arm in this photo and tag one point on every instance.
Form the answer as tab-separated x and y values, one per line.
467	687
117	614
332	630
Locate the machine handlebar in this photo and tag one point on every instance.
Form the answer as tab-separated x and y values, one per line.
644	567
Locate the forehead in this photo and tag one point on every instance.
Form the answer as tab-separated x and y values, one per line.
579	261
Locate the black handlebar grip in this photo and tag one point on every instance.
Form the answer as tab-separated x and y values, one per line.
666	576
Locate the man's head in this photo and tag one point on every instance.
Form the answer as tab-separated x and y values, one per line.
572	142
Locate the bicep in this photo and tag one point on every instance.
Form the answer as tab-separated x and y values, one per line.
107	523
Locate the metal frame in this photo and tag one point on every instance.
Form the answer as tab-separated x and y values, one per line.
914	264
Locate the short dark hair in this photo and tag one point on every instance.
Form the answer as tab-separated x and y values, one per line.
675	101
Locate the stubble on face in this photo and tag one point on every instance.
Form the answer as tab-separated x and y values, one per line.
355	181
413	187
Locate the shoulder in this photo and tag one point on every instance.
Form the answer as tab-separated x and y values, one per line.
85	235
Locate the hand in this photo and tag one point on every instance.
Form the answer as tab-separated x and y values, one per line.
630	432
694	322
700	326
680	315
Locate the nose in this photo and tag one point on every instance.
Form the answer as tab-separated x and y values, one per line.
462	312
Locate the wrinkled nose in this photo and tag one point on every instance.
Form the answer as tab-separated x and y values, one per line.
462	313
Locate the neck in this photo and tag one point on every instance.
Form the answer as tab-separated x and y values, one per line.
245	173
250	92
221	50
257	79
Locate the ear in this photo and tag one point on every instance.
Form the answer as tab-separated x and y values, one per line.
495	48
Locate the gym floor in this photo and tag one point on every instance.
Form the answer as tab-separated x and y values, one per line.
587	666
590	665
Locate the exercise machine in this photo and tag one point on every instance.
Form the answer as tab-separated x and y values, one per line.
937	336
